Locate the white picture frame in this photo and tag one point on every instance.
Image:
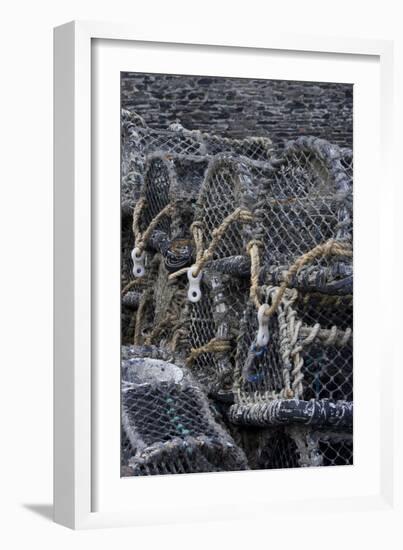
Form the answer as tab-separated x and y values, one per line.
86	493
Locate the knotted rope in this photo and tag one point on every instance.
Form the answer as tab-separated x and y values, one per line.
216	345
203	256
140	237
329	248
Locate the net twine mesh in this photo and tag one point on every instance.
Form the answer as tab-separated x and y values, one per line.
309	355
223	221
138	141
306	201
295	447
168	425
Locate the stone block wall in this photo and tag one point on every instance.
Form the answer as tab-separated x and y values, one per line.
236	107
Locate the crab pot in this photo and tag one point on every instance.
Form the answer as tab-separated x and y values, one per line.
176	180
228	184
259	373
168	426
216	315
309	357
306	201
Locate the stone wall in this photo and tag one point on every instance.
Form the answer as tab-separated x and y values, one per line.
237	107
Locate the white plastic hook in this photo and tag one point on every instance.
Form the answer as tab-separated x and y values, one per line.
194	292
138	262
262	337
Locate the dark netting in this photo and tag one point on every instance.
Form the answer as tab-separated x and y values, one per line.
329	448
327	310
328	372
306	202
336	451
168	425
294	447
279	451
215	317
227	185
158	179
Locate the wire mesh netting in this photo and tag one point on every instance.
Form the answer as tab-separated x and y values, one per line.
168	425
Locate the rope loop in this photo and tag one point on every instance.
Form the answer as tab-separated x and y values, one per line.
329	248
140	237
203	256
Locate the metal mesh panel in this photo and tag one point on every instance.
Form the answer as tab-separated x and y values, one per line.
167	423
327	359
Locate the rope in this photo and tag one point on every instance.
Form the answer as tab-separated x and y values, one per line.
216	345
203	256
329	248
253	250
140	314
139	237
130	285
